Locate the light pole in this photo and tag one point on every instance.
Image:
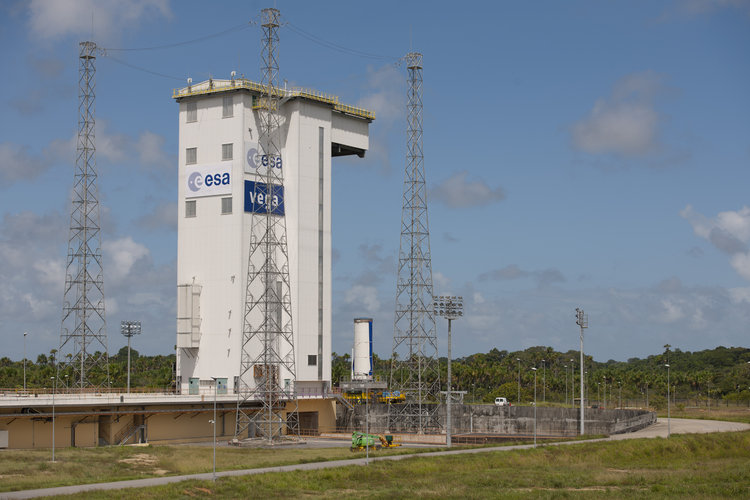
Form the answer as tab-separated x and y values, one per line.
449	307
669	419
54	389
518	401
534	368
544	382
24	360
572	384
582	320
130	328
216	384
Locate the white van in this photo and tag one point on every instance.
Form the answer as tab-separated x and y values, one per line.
501	402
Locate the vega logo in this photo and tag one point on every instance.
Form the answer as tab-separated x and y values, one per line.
260	200
208	181
256	159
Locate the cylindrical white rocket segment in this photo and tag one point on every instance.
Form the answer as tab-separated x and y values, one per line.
362	349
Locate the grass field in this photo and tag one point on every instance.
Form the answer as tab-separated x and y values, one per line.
27	469
685	466
731	413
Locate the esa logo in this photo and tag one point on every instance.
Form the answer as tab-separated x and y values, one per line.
256	159
196	180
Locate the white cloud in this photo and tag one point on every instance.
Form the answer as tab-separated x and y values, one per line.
458	192
440	282
51	20
741	263
384	95
740	295
626	123
543	278
362	295
18	163
729	232
123	253
163	216
150	148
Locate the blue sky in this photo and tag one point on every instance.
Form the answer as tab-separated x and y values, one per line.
578	154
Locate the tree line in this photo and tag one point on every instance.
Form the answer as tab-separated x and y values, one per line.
721	373
148	372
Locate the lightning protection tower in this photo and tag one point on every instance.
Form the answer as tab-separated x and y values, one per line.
267	366
83	338
414	364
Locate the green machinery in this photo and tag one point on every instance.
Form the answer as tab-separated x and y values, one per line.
360	441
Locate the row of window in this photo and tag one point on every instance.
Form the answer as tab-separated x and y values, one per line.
227	109
191	154
191	207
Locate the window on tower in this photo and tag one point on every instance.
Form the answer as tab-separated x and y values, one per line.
190	208
312	359
192	112
226	205
228	108
191	156
226	151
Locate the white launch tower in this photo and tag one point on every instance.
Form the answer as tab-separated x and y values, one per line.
219	163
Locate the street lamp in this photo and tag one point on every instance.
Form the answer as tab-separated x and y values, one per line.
24	360
216	386
582	320
519	380
669	420
130	328
534	368
449	307
54	389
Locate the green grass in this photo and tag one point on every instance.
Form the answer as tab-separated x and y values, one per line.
685	466
30	469
729	414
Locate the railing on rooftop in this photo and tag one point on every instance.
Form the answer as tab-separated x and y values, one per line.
214	86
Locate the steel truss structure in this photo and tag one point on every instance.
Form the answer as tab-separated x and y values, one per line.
267	408
414	364
83	354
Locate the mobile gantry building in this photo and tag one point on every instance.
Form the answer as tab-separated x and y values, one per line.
219	160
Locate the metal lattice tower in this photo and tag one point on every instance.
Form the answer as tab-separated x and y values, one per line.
268	355
83	351
414	364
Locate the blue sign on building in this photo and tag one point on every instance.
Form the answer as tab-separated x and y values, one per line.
258	199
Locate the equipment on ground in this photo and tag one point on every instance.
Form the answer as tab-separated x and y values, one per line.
360	441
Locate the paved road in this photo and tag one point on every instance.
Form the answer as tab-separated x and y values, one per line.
659	429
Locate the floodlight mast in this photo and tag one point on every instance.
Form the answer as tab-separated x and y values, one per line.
582	320
449	307
130	328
